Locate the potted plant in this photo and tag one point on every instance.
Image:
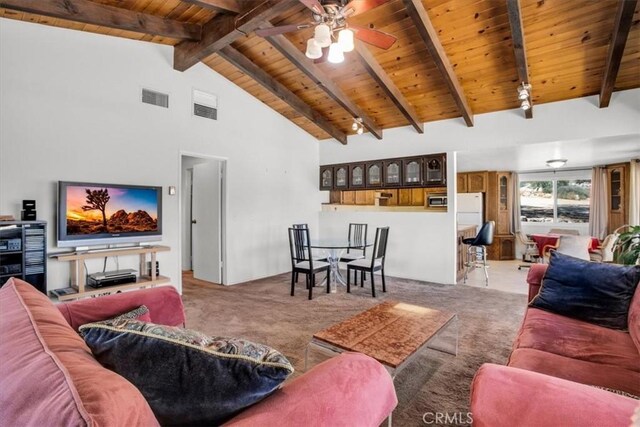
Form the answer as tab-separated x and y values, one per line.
626	249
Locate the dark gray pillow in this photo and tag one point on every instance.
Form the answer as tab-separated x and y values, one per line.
188	378
597	293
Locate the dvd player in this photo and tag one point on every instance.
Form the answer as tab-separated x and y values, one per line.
111	281
112	274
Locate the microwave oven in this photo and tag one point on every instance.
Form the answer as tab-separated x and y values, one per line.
437	200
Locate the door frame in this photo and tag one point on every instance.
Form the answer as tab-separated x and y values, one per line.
223	210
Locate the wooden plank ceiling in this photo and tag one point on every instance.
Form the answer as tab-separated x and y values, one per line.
568	49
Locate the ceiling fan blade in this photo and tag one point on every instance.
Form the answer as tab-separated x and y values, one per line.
314	5
374	37
356	7
274	31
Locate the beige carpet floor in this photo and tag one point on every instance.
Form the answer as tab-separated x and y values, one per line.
263	311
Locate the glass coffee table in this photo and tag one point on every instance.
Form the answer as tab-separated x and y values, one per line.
393	333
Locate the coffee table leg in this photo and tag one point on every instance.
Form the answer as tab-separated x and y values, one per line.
453	323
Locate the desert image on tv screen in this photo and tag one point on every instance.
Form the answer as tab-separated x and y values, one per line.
98	210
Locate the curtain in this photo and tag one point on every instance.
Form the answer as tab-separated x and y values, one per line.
634	193
598	217
514	222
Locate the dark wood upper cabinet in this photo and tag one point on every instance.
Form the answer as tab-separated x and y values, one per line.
435	170
373	174
356	176
326	178
341	177
392	173
412	172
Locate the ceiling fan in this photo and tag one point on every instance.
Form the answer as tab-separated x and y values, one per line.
329	17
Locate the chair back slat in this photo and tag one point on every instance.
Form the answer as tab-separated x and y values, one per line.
358	237
380	245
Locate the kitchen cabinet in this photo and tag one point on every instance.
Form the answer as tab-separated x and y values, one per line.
373	174
472	182
356	176
392	173
326	178
499	207
412	172
365	197
341	177
617	205
435	170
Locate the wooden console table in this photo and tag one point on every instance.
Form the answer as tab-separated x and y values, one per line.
79	273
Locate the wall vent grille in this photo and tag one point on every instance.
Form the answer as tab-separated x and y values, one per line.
205	105
155	98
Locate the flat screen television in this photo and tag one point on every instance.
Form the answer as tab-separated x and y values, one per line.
100	214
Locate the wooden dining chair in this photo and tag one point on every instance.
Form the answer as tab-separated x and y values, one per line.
302	262
315	257
376	263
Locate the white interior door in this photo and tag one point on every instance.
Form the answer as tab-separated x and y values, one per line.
205	216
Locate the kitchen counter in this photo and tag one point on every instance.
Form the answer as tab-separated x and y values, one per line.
327	207
464	232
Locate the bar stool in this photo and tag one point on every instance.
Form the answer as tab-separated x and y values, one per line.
477	250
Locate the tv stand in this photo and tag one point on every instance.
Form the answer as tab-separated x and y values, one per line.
79	273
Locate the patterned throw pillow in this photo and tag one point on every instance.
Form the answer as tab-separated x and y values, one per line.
141	313
187	377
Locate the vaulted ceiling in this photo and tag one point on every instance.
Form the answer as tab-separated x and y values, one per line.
452	58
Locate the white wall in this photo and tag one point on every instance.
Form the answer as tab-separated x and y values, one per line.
70	110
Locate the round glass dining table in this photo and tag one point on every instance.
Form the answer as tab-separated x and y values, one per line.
333	249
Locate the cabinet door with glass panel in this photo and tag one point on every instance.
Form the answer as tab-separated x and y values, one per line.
435	170
392	173
412	171
341	177
373	174
356	176
326	177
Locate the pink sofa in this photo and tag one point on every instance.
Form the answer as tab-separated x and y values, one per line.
48	375
554	364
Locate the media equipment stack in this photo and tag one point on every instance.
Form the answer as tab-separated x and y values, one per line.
23	250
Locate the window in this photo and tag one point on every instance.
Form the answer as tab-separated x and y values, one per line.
555	200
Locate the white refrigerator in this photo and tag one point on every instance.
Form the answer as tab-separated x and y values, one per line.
470	210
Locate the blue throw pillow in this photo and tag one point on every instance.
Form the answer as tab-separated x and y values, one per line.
598	293
187	377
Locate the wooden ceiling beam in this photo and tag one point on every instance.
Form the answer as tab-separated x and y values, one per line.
624	17
281	91
388	86
222	6
519	49
429	36
224	29
291	52
92	13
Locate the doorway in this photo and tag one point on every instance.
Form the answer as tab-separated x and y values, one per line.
202	218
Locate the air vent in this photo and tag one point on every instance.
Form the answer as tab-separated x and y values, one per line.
205	105
155	98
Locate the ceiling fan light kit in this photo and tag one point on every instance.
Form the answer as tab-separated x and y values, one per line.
345	40
322	35
313	50
336	55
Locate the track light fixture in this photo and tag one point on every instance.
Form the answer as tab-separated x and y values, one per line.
357	125
524	95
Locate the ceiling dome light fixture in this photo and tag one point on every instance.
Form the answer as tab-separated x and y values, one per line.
556	163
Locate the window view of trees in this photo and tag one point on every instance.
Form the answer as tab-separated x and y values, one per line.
555	200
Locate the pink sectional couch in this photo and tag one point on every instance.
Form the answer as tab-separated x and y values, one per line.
48	375
554	364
